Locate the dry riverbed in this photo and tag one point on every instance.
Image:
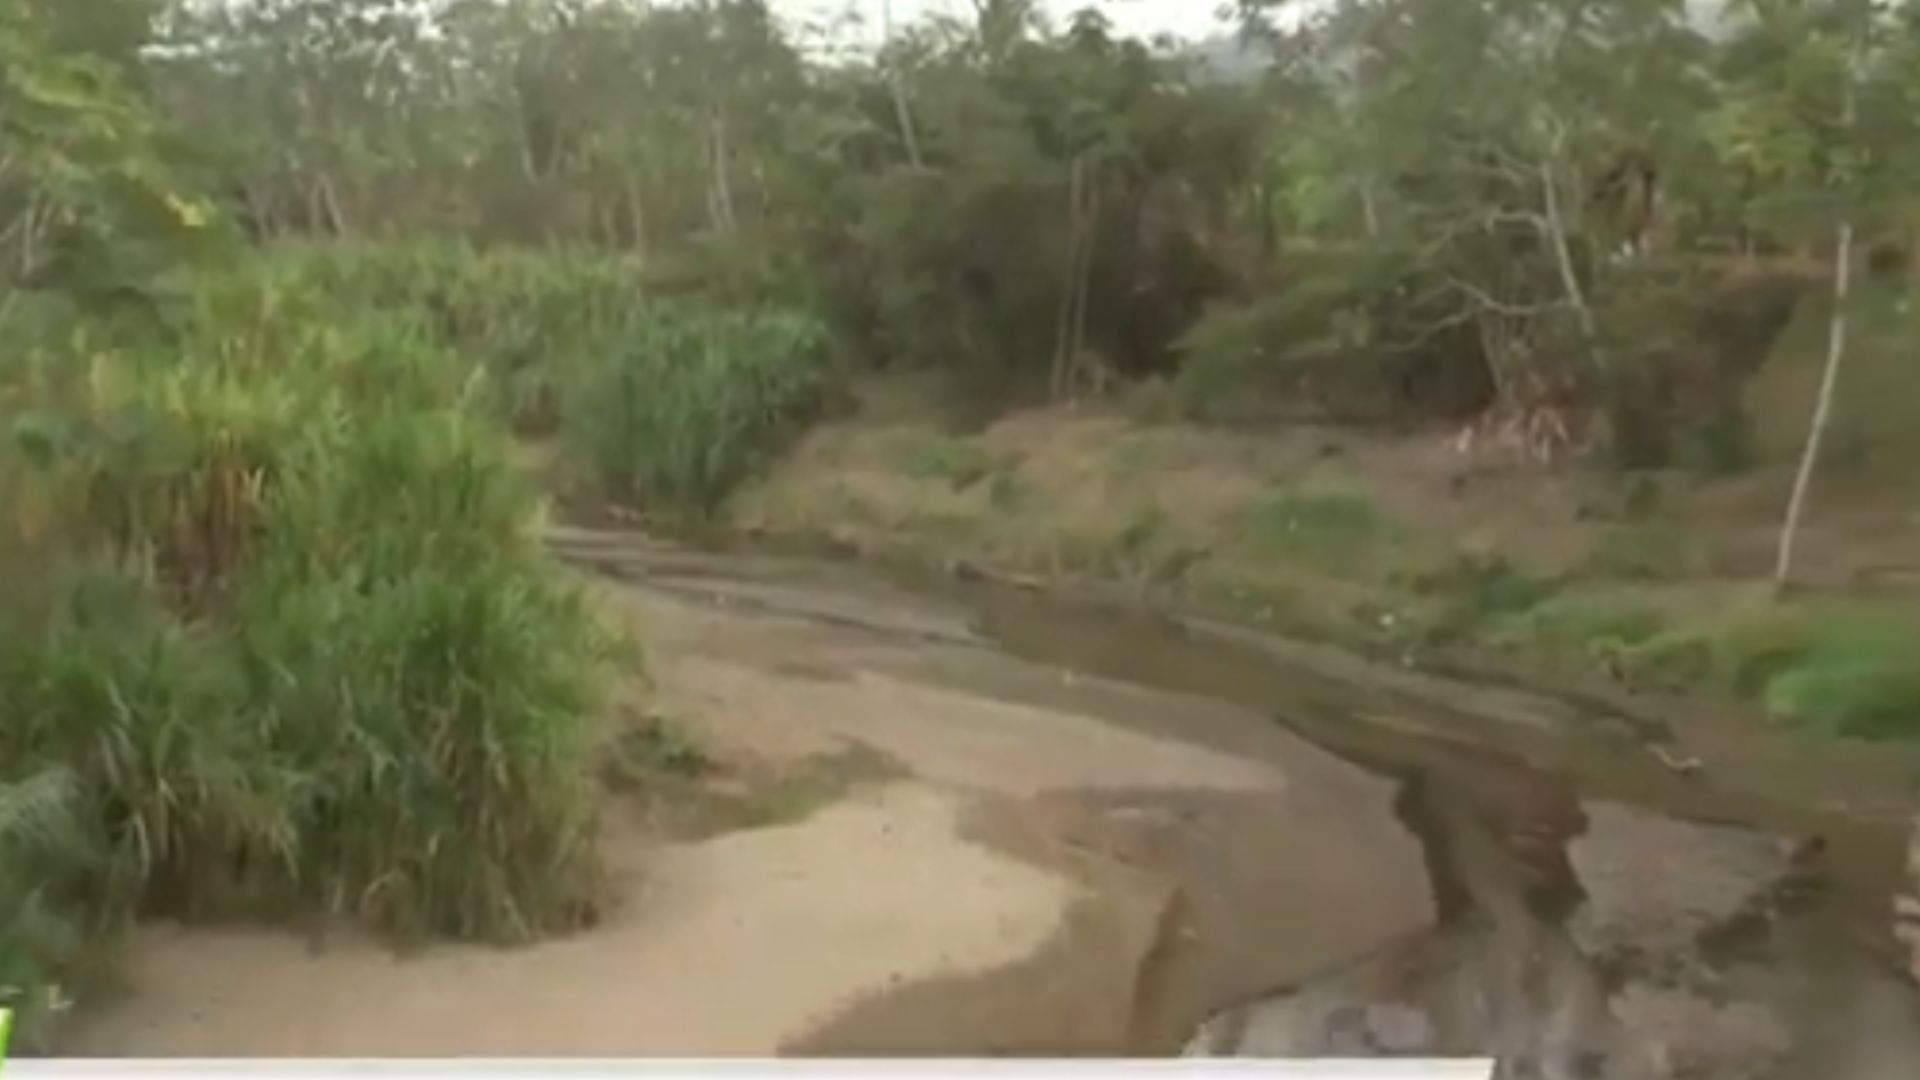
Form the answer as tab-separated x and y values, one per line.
907	842
883	822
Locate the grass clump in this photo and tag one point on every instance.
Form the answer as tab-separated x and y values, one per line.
680	411
1846	667
957	463
1592	624
276	612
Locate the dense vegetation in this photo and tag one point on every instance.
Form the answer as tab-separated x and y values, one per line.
281	282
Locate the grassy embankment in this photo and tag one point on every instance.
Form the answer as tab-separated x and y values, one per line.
1402	545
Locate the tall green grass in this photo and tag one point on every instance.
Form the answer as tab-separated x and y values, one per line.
691	401
277	619
527	317
666	399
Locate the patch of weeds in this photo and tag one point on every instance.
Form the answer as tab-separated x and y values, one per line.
1858	675
1845	668
955	462
1674	657
1144	531
1591	624
1866	696
1740	649
1644	553
1468	592
1328	528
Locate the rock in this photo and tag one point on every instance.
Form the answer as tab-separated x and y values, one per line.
1654	886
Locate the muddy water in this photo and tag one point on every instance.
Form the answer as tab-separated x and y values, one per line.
1765	873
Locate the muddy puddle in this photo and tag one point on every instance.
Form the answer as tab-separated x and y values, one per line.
1086	828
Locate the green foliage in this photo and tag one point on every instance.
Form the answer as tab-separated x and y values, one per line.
288	628
957	463
691	400
1845	667
1867	692
1594	624
86	203
1473	590
1336	340
46	923
528	319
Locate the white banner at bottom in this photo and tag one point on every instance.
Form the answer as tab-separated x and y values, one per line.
799	1069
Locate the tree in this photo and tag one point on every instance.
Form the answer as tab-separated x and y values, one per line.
1863	53
86	203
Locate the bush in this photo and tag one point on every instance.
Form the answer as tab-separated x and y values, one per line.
680	411
288	630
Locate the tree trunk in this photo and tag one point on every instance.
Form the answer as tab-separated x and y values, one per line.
1823	406
330	200
1063	322
897	83
720	193
1089	237
904	117
1369	211
1563	261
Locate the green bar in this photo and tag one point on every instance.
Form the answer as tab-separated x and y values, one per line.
6	1025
